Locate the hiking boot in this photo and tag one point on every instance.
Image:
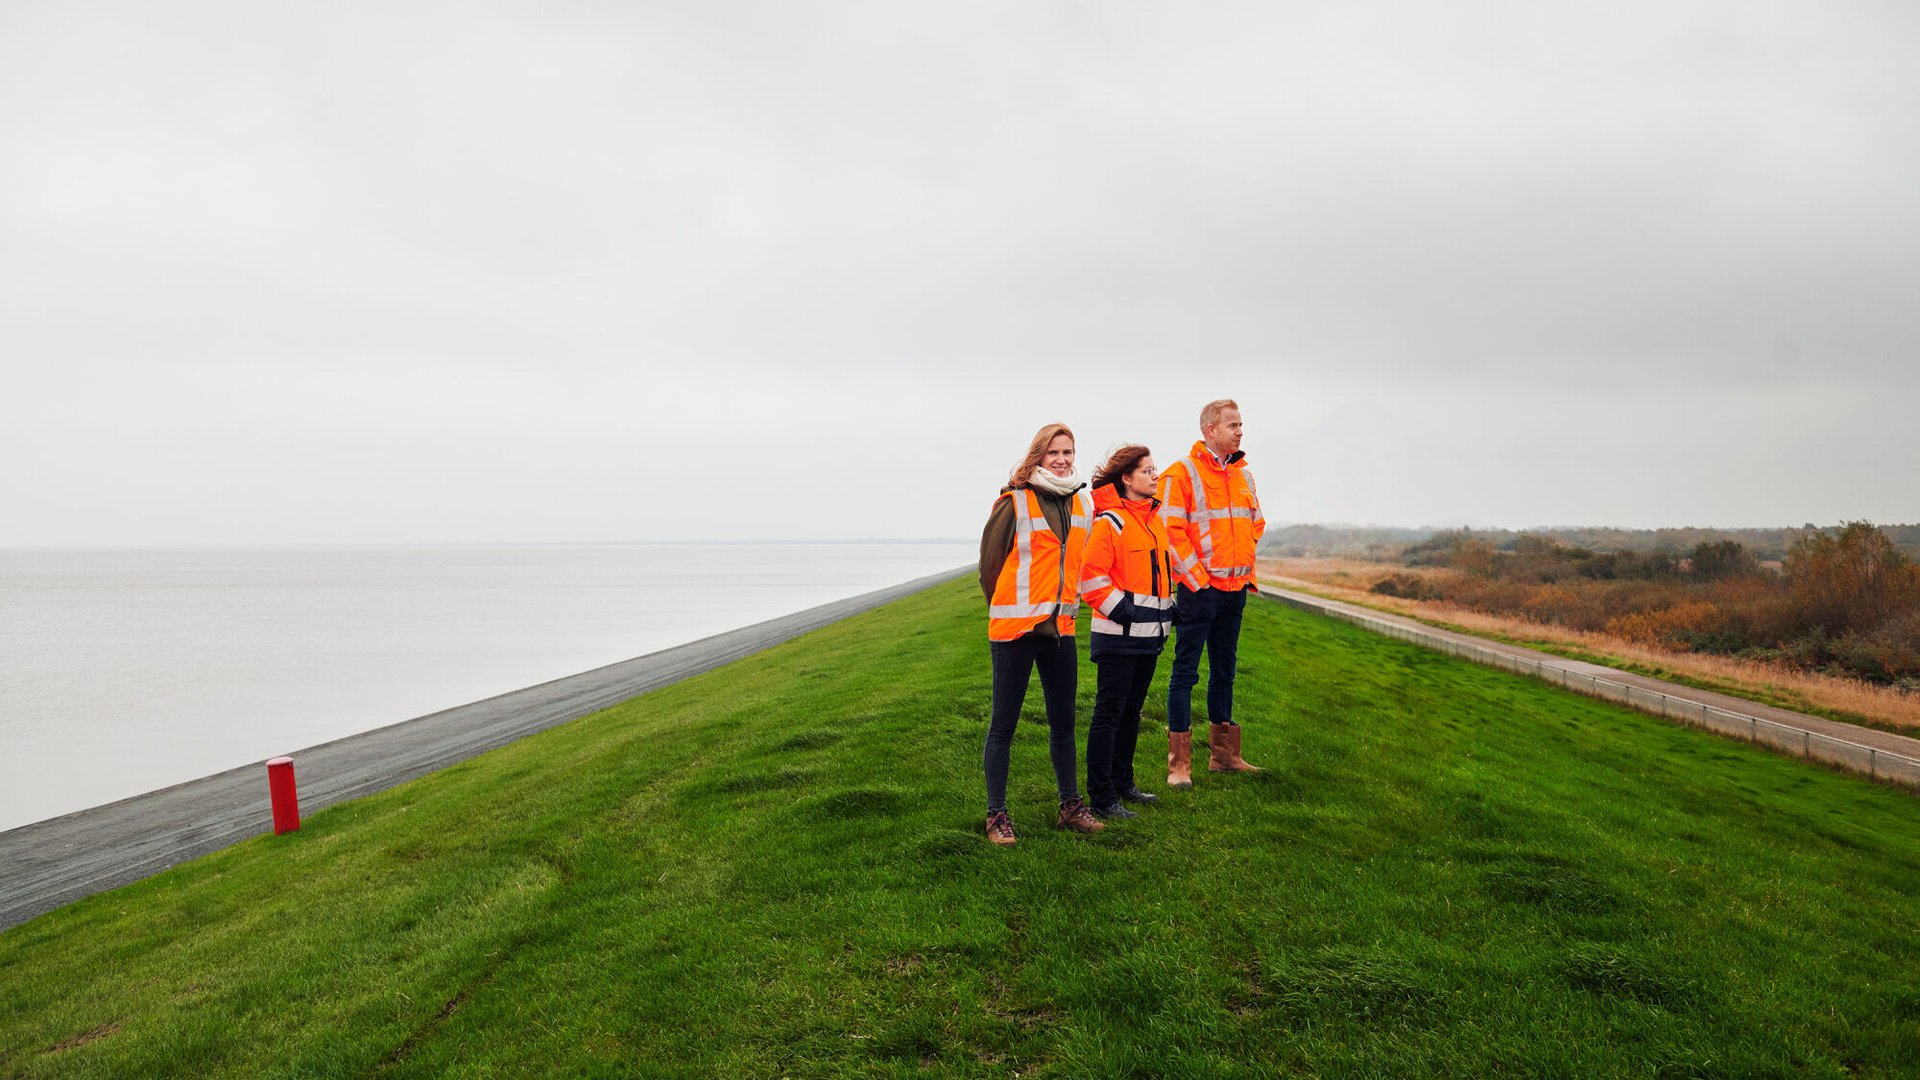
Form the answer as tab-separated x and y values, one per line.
1223	742
1132	793
1179	759
1113	811
1074	815
1000	829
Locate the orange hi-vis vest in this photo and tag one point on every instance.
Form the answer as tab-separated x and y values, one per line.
1129	564
1213	518
1041	578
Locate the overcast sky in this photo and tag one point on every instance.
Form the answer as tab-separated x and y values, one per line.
601	272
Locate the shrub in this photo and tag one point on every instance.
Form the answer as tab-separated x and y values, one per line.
1627	565
1852	578
1887	653
1405	586
1554	604
1669	627
1461	550
1722	559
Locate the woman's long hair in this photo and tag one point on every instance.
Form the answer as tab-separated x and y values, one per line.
1119	464
1036	450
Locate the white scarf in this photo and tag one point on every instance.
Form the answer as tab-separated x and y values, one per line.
1044	480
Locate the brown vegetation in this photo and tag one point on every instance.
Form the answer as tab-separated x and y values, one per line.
1834	628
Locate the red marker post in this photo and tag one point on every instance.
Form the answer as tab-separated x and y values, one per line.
286	802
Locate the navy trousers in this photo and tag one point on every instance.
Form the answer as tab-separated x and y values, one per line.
1119	691
1206	620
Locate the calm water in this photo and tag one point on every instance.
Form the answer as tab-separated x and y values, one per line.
122	671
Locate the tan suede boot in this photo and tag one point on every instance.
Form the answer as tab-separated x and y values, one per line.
1075	815
1179	759
1223	740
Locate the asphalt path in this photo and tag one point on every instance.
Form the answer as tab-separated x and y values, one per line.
60	860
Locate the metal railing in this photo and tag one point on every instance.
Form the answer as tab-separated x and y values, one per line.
1875	763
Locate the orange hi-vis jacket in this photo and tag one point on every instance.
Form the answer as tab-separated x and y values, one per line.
1213	518
1041	578
1127	577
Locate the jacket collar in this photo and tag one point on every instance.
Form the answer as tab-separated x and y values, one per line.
1235	460
1108	497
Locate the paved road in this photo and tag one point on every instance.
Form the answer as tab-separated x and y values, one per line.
54	862
1904	752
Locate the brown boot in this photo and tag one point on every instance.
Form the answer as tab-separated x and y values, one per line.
1224	742
1179	759
1000	829
1075	815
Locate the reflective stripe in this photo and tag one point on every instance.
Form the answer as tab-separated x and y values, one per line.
1200	511
1185	563
1023	546
1083	521
1012	610
1157	603
1105	607
1226	572
1199	486
1205	517
1028	611
1139	629
1174	512
1100	582
1112	519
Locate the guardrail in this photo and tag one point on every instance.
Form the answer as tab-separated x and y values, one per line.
1870	761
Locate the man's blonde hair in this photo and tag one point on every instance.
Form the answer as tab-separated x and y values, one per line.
1210	413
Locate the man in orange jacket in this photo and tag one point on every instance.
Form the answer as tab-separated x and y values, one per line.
1212	513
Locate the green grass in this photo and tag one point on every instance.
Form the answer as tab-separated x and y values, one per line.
777	869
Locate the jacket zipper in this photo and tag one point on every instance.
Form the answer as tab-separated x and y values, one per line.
1153	561
1060	593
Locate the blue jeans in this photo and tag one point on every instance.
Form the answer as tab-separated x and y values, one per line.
1209	620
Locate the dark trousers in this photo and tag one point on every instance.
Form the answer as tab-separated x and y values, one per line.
1209	620
1119	691
1013	661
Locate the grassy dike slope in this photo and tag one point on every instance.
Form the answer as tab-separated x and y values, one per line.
777	868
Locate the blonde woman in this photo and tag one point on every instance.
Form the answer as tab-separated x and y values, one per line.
1030	555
